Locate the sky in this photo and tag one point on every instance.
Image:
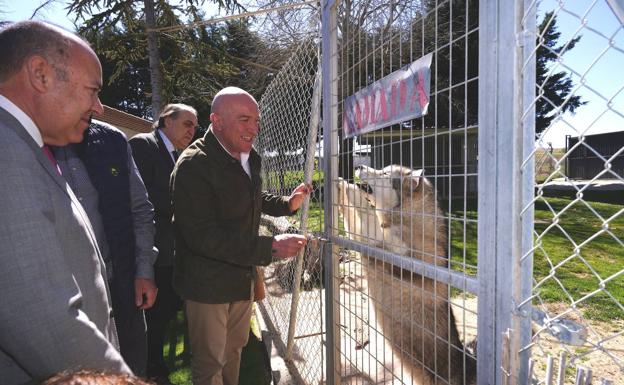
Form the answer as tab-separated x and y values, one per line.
23	9
55	12
601	65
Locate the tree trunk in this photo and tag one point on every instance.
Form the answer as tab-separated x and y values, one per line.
154	58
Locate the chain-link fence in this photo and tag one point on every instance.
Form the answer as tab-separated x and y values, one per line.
480	231
288	144
571	50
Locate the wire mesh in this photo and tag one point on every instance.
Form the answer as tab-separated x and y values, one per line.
407	198
286	115
578	239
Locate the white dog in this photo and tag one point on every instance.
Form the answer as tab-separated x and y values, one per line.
395	209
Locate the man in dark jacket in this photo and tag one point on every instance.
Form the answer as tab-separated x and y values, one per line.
217	202
155	154
101	172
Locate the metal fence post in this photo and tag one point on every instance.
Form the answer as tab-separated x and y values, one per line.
307	178
329	63
500	186
524	171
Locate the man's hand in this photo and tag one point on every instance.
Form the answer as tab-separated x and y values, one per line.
144	287
298	195
287	245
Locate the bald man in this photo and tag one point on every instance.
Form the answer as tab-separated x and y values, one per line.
217	202
55	305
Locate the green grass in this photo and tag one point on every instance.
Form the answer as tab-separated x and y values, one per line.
463	241
555	264
603	254
315	217
255	369
291	179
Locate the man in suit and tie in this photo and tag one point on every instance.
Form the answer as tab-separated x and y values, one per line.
155	155
55	304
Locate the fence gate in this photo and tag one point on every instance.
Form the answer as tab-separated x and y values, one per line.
290	113
403	208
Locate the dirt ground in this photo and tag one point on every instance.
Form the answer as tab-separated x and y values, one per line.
603	352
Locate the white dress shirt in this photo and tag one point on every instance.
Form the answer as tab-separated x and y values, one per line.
168	144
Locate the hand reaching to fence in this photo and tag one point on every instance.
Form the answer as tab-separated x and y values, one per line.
287	245
298	195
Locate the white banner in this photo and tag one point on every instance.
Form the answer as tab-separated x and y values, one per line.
400	96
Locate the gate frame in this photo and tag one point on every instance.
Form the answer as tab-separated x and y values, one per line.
505	185
329	81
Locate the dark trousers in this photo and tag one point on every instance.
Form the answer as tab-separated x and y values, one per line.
131	328
158	317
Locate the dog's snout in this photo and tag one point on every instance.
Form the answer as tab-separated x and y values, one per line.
359	170
365	187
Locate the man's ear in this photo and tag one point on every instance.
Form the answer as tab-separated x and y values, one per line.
168	121
215	121
40	73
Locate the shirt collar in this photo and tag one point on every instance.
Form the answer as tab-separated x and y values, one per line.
166	140
24	119
244	157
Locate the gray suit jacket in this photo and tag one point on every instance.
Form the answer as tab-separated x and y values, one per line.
54	303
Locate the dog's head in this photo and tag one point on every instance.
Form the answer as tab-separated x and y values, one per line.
349	195
386	188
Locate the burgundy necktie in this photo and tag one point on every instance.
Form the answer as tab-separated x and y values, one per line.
50	155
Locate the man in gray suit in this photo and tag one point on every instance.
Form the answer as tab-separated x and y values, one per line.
55	304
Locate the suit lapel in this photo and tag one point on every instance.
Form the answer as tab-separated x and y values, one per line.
162	148
42	159
13	124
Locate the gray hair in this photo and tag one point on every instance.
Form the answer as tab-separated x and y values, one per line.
171	111
22	40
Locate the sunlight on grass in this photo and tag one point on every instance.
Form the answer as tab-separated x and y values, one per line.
573	275
463	241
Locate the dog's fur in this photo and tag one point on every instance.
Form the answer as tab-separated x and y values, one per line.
395	209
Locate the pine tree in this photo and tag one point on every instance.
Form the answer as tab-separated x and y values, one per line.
139	19
554	90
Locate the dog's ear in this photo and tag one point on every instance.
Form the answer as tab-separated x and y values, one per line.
411	183
413	180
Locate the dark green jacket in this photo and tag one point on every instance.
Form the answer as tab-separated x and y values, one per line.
216	209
